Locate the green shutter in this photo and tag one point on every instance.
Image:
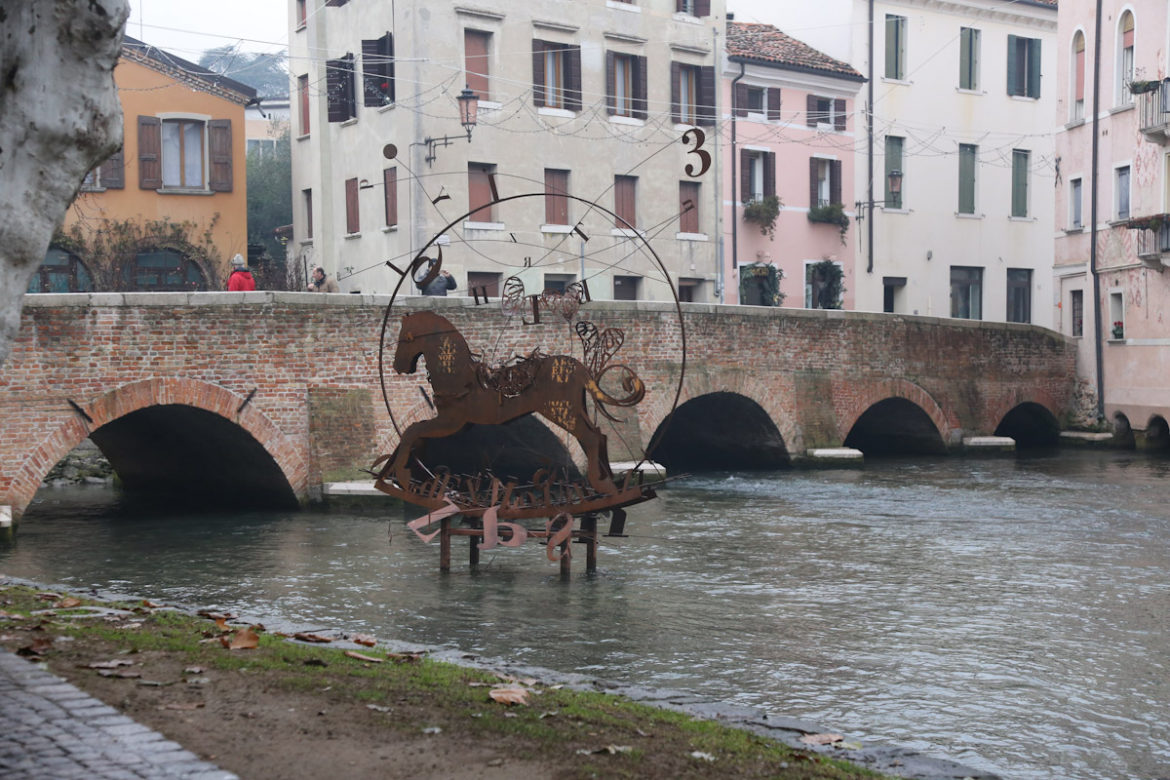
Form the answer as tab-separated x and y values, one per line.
966	178
1019	183
893	163
965	58
1013	76
1034	67
893	44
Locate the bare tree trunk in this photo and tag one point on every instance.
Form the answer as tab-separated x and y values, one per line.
59	117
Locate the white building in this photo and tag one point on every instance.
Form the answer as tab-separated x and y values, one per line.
575	169
963	96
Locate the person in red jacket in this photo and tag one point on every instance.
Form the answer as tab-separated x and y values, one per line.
241	279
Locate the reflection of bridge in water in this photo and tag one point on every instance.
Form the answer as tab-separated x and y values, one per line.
264	396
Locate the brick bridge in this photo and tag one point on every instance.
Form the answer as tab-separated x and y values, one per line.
267	395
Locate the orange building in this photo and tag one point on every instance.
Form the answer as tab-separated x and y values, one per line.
169	210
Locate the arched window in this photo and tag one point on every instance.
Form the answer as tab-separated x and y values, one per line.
1124	58
61	272
163	270
1077	104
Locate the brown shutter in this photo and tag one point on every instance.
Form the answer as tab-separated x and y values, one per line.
113	172
675	92
303	94
538	48
220	147
556	205
352	218
640	89
835	181
479	193
625	207
335	90
388	64
745	179
702	7
350	78
706	108
769	174
810	114
839	114
475	62
390	189
740	99
773	102
688	220
572	55
610	83
813	199
371	72
149	152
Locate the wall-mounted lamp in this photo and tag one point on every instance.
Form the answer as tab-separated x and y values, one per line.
895	188
468	117
364	184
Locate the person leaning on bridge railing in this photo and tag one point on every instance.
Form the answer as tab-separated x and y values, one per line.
322	283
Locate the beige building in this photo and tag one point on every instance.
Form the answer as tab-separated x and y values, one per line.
575	169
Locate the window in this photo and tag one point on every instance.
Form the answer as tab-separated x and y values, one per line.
688	207
968	58
390	193
1124	59
757	175
894	146
476	45
1076	308
625	288
162	270
693	7
1075	198
1078	80
1019	295
1023	66
816	291
182	153
307	196
352	212
1122	188
1116	324
481	192
484	283
825	111
690	290
556	205
692	94
261	147
302	16
625	85
556	75
110	175
1020	162
339	89
61	272
895	47
625	191
824	182
185	154
966	292
557	282
967	156
303	101
757	100
378	71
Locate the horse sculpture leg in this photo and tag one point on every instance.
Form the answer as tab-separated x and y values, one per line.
399	463
594	443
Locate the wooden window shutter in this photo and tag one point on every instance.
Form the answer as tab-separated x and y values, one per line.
388	63
113	172
1013	76
810	110
702	7
335	3
556	205
390	189
572	60
740	97
705	112
769	174
149	152
1080	68
538	48
475	62
814	167
1034	68
745	176
378	70
610	83
773	103
352	218
839	117
675	92
688	220
835	181
640	88
219	145
335	90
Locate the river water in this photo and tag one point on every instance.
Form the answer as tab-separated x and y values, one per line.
1010	613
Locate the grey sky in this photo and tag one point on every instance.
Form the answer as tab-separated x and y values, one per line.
189	28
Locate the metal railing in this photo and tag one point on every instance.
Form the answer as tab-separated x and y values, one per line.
1154	243
1155	109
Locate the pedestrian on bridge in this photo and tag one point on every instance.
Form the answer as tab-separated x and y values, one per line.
322	283
241	278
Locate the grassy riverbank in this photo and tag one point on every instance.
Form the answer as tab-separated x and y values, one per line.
261	705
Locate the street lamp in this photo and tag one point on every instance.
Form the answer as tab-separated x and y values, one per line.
468	116
895	188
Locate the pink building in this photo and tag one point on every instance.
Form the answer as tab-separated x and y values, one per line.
1113	226
790	140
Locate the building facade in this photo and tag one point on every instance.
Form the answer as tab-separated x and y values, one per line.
169	210
1113	207
575	169
788	181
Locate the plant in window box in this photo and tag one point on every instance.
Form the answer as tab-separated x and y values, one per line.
831	214
763	212
1118	329
1142	87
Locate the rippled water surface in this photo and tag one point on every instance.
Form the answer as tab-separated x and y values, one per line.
1013	614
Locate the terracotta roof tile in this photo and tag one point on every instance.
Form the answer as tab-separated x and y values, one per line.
764	43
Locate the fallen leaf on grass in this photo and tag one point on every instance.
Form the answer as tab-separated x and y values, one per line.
126	674
364	639
363	657
610	749
513	679
107	664
195	670
821	739
39	646
701	756
48	596
151	605
10	615
378	708
183	705
509	695
311	637
68	603
129	625
215	615
244	639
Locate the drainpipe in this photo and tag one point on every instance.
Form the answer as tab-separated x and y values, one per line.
720	277
869	150
1098	347
734	179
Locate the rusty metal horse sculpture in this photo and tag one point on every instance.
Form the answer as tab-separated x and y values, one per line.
466	392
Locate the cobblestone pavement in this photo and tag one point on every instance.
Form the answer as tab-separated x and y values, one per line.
51	729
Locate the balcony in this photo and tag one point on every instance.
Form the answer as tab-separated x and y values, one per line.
1155	110
1153	239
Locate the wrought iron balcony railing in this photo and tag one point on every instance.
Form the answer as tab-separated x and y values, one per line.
1155	111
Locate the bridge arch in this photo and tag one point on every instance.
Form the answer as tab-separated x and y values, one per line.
191	429
896	416
719	431
1157	434
1031	424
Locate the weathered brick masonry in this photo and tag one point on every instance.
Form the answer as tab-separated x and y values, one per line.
317	409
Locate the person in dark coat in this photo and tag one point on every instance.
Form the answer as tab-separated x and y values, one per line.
442	282
241	278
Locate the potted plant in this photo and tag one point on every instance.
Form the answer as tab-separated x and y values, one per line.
1118	329
1142	87
831	214
763	212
